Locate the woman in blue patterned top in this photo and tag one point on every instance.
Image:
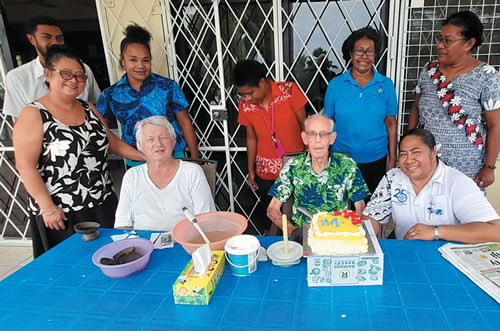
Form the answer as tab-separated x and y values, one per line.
140	94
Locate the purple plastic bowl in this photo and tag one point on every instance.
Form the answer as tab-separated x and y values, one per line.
143	246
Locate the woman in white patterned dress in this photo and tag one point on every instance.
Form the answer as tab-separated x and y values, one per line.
61	145
458	100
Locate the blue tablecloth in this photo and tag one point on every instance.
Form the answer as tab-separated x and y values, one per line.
63	290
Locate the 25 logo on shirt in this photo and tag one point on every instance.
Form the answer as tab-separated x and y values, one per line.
401	195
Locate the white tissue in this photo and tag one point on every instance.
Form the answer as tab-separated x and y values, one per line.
202	258
262	254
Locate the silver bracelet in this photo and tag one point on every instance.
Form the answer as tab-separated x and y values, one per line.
436	232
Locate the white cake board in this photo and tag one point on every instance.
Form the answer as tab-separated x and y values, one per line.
346	270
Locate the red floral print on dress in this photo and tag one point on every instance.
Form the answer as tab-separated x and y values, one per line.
267	168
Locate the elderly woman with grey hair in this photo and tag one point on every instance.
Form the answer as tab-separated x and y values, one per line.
153	194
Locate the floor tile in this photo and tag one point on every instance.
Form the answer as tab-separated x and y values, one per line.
13	256
5	271
25	262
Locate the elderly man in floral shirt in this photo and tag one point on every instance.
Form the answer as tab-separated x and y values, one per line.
320	181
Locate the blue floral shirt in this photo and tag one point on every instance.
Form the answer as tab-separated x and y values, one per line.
327	191
158	96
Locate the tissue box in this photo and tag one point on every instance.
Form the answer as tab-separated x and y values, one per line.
343	270
193	289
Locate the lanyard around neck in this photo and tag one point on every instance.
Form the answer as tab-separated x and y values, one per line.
270	127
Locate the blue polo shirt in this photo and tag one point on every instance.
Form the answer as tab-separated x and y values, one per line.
158	96
359	114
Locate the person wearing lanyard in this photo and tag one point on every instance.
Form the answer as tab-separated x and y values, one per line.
273	114
429	200
140	94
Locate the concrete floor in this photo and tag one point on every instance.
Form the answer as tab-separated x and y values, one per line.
13	258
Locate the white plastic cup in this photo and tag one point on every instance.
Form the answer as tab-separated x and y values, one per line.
242	253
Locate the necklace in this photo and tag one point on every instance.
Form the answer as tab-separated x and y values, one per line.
452	103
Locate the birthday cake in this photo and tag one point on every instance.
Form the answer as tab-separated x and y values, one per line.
337	233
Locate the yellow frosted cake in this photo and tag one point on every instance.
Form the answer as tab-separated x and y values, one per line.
337	233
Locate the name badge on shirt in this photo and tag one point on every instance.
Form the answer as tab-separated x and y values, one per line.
400	197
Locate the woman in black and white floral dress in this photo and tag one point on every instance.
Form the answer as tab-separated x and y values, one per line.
458	100
61	145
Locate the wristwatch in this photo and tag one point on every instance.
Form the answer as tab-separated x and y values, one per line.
436	232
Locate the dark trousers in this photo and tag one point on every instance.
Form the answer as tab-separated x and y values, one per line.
260	220
372	173
44	238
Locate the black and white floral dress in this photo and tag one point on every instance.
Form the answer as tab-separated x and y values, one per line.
73	167
73	163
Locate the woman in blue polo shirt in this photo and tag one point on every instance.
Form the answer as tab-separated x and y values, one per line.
140	94
364	106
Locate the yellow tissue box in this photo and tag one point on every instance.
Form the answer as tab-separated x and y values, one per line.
193	289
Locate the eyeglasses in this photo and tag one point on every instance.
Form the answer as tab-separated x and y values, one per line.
322	135
446	42
360	52
68	75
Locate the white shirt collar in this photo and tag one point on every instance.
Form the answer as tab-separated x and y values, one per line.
437	178
438	175
37	68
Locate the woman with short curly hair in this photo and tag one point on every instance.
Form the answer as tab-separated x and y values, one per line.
364	106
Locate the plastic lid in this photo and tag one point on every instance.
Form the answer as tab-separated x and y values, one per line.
276	253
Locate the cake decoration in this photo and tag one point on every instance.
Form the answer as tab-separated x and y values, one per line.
337	233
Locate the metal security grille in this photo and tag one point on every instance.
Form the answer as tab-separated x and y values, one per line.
13	216
197	43
208	39
313	33
421	24
296	40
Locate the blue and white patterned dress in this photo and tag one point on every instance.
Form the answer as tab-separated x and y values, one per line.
474	93
158	96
